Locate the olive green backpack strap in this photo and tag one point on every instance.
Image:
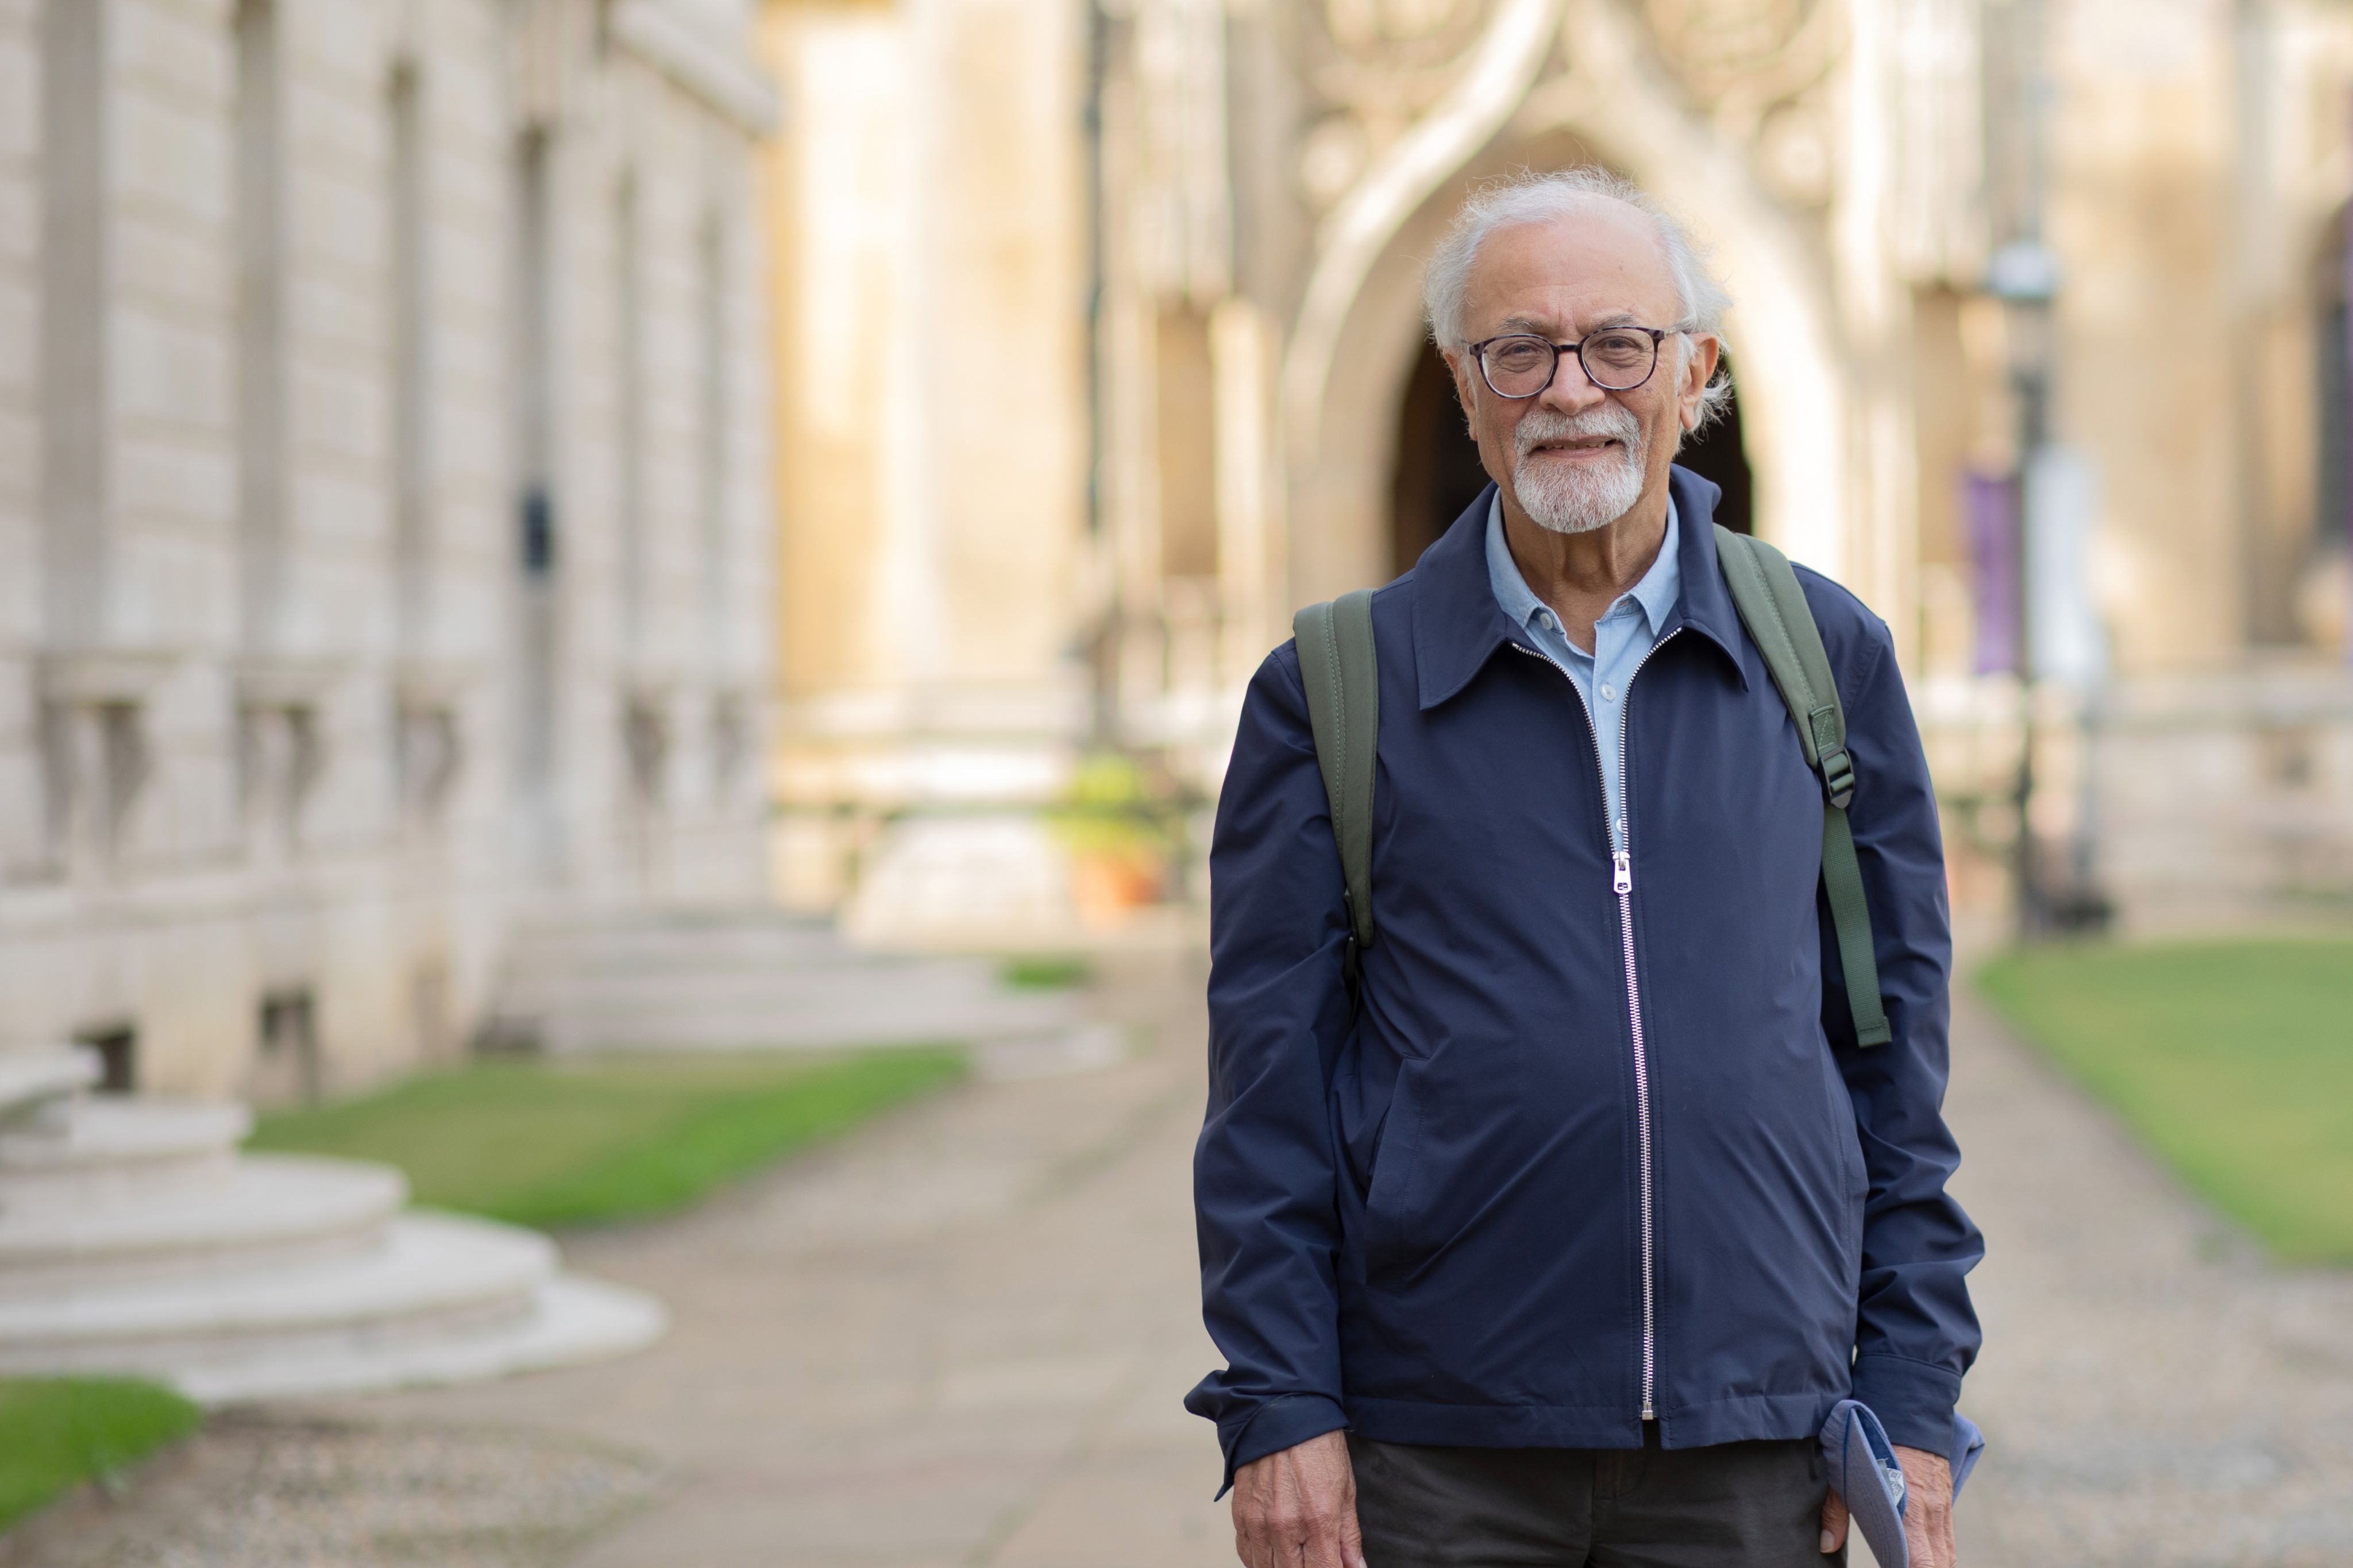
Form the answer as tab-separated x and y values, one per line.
1341	675
1773	607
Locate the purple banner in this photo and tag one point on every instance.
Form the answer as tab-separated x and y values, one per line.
1990	513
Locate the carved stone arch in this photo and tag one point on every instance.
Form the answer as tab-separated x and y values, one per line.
1341	531
1347	371
1782	332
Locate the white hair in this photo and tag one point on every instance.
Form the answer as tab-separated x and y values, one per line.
1541	198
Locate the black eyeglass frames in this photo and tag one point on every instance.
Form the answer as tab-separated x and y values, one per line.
1616	359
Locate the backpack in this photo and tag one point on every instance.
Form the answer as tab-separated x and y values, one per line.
1340	670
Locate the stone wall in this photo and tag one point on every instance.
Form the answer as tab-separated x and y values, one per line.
382	509
928	203
2188	802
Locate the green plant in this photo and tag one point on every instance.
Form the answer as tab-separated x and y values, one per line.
56	1432
1116	805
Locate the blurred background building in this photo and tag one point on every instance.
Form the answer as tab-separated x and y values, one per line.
499	496
393	477
1099	352
385	507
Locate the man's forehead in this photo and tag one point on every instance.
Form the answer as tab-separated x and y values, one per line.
1602	261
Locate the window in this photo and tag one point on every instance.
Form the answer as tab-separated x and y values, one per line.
411	325
629	406
73	289
712	292
260	342
117	1046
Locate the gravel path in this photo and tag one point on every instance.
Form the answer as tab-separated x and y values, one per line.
960	1339
2153	1393
274	1491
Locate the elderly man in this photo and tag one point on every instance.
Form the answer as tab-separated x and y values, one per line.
1548	1228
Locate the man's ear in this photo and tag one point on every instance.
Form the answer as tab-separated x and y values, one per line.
1459	367
1699	369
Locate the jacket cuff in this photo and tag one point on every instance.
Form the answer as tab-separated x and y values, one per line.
1283	1422
1913	1400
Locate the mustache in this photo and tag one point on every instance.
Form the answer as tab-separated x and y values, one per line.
1610	421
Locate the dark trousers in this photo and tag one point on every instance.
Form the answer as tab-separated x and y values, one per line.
1737	1505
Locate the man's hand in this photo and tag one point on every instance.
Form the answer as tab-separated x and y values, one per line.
1297	1509
1927	1510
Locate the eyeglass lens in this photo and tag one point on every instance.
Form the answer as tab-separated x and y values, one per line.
1521	367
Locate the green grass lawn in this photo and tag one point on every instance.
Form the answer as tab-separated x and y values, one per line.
553	1143
2233	1059
58	1431
1046	971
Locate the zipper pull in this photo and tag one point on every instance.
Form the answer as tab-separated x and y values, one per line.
1621	865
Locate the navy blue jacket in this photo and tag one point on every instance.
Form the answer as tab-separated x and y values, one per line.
1426	1217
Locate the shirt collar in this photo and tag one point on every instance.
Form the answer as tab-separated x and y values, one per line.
1655	594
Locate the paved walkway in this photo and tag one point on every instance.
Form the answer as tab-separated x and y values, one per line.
961	1339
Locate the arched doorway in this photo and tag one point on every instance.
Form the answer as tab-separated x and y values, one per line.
1358	338
1437	472
1720	455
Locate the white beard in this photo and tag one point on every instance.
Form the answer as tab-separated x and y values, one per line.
1577	498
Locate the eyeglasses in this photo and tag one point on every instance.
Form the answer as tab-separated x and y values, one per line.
1616	359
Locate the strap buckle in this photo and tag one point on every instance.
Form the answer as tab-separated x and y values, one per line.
1837	776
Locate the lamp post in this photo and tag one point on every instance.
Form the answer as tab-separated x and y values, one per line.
2056	638
2024	276
2051	490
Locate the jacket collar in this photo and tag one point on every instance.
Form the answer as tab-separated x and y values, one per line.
1458	626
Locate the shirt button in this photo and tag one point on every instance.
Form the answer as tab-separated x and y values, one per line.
1546	622
1609	694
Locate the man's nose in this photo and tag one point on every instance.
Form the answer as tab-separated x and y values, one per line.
1570	390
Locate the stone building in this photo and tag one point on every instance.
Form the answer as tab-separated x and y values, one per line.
931	221
1155	265
384	510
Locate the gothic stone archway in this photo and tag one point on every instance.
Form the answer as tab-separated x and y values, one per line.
1351	367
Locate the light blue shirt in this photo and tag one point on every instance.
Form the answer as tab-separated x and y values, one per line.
1622	639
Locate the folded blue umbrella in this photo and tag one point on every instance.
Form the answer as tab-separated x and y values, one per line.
1864	1472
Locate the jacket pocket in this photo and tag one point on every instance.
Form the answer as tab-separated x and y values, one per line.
1389	1201
1854	1175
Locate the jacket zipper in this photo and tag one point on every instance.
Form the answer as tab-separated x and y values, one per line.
1621	883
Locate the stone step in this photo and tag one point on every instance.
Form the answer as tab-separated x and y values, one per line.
747	980
136	1239
432	1277
721	918
639	969
685	1022
781	983
88	1148
29	1077
572	1319
264	1209
107	1129
774	945
779	987
760	935
790	1002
